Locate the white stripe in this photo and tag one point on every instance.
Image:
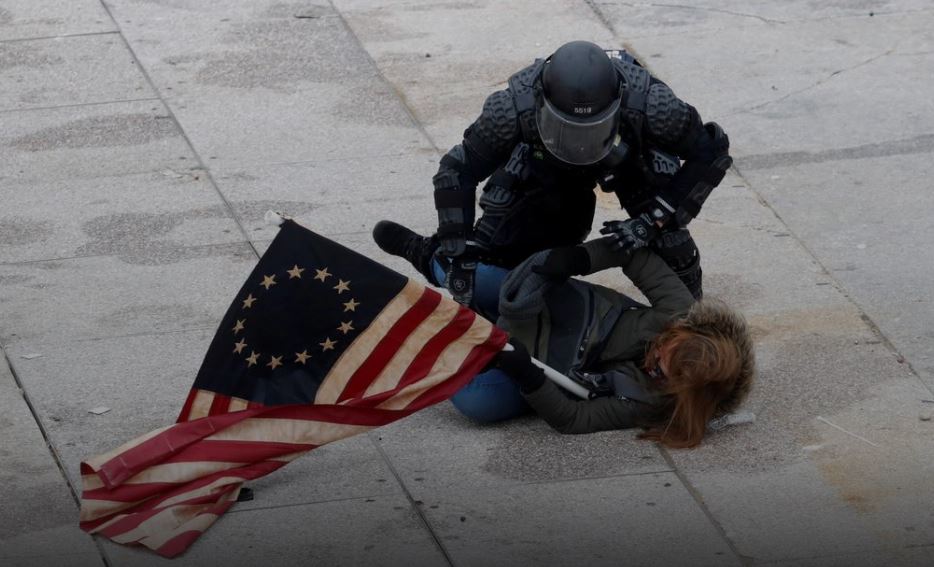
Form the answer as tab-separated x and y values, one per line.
259	429
392	373
351	359
447	364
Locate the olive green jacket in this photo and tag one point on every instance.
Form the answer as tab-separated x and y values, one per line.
589	330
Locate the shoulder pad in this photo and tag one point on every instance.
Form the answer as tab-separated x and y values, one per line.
522	85
525	78
497	128
636	81
667	116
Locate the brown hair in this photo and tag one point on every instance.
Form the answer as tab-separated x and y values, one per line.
711	365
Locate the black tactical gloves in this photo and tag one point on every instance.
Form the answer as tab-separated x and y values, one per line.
459	278
562	263
517	364
630	233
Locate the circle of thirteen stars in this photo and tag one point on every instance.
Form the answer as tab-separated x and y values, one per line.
274	361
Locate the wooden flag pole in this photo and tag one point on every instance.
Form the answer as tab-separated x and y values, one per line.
558	378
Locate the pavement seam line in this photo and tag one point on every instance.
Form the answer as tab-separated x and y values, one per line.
873	327
392	86
699	500
49	444
200	162
78	105
64	36
412	502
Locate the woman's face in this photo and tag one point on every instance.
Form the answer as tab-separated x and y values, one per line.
658	362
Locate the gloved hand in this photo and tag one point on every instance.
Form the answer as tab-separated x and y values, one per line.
562	263
517	364
630	234
459	279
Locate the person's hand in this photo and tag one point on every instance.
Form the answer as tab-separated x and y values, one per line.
562	263
517	364
630	234
459	279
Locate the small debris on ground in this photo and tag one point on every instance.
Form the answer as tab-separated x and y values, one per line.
737	418
100	410
31	356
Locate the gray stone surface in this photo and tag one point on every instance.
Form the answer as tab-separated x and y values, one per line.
41	73
90	141
38	519
335	197
439	450
576	522
446	57
161	288
21	19
344	532
128	216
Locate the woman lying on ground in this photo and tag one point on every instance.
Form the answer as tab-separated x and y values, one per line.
669	367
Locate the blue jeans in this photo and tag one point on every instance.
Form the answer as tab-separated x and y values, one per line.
491	396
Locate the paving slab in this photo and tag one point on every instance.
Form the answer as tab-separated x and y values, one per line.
91	141
885	266
439	450
334	197
162	287
128	215
21	19
445	58
288	83
38	520
42	72
646	519
382	530
645	19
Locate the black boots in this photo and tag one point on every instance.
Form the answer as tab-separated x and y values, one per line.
395	239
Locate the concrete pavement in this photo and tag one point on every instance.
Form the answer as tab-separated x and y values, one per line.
143	140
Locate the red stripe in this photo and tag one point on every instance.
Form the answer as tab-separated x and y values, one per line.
478	358
237	452
151	507
186	409
128	492
181	542
426	358
171	441
219	405
389	344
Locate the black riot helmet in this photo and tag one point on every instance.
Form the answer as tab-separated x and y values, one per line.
578	112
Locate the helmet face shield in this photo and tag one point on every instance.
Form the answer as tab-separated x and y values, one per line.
580	141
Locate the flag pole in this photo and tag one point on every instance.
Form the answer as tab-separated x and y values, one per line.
556	377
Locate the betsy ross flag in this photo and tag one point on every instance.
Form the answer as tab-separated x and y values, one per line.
320	344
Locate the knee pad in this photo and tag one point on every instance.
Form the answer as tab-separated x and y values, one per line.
678	250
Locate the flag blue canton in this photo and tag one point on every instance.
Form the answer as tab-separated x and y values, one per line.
300	308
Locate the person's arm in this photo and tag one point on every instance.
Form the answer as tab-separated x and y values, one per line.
568	415
562	413
487	145
676	127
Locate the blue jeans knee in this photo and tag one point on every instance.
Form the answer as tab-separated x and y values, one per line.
491	396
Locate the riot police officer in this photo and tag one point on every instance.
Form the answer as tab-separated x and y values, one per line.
581	118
